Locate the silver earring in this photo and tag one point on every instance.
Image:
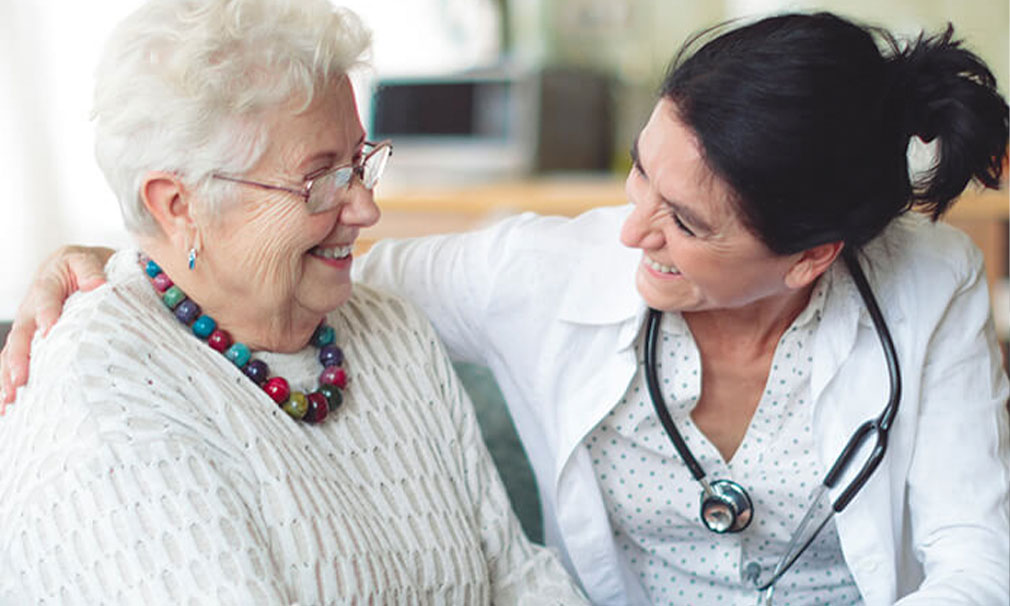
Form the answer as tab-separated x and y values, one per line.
192	258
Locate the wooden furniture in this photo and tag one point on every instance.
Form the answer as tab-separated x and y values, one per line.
421	211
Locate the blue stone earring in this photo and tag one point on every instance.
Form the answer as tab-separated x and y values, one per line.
192	258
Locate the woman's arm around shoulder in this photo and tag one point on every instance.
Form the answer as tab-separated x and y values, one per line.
463	282
68	269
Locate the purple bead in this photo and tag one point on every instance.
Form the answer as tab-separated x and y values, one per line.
187	311
331	355
256	370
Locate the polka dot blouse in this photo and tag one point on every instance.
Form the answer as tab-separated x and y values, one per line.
653	501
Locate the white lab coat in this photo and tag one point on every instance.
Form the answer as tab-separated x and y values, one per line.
550	305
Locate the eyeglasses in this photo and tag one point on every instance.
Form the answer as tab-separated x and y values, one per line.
325	190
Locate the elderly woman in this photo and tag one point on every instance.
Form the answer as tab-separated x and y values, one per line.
703	377
226	422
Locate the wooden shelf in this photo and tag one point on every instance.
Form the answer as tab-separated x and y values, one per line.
421	211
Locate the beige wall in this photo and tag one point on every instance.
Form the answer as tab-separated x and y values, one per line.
982	23
635	39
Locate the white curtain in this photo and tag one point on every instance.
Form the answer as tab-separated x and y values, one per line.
52	191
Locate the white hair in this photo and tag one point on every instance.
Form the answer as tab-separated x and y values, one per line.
182	86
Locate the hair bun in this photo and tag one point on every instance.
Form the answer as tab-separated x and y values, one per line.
943	91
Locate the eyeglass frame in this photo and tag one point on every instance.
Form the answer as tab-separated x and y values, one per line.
357	169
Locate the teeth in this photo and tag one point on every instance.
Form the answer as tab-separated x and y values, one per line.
336	252
666	269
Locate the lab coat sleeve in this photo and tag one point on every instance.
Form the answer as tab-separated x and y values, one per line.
959	478
451	278
520	572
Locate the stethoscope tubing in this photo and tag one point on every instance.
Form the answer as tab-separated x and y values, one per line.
879	426
652	381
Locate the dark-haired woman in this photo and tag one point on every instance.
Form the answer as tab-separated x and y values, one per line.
686	372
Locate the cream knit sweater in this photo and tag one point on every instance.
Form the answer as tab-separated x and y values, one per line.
139	466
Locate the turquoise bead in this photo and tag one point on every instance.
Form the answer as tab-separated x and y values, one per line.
152	269
173	296
203	326
239	354
323	336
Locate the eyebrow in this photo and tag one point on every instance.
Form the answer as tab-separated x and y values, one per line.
330	155
684	212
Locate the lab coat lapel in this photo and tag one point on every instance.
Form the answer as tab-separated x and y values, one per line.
602	313
849	386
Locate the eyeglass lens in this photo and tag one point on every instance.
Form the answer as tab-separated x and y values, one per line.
328	190
374	164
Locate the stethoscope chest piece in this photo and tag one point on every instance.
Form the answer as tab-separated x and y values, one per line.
726	507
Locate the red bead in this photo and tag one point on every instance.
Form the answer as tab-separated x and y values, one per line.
319	407
277	388
162	282
219	340
334	375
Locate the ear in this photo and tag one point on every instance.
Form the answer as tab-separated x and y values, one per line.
811	263
168	200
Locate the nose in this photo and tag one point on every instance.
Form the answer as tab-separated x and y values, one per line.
359	208
638	230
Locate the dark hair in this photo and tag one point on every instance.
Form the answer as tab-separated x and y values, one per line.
808	121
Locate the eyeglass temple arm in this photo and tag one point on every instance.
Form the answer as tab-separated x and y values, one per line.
261	185
882	424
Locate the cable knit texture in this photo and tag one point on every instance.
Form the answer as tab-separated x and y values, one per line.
140	466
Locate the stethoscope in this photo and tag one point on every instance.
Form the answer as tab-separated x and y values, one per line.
725	505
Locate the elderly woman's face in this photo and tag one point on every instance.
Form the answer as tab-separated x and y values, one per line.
266	251
696	252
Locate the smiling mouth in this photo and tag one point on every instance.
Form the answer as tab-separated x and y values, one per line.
659	267
333	252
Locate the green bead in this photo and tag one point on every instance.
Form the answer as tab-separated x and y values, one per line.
333	395
297	405
173	296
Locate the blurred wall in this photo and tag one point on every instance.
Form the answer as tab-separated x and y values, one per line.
635	39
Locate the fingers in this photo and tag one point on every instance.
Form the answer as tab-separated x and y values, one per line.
14	360
69	269
87	266
44	303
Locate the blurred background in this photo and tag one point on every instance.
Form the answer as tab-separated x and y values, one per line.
496	106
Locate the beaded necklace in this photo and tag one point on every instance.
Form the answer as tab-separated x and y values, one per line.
312	407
